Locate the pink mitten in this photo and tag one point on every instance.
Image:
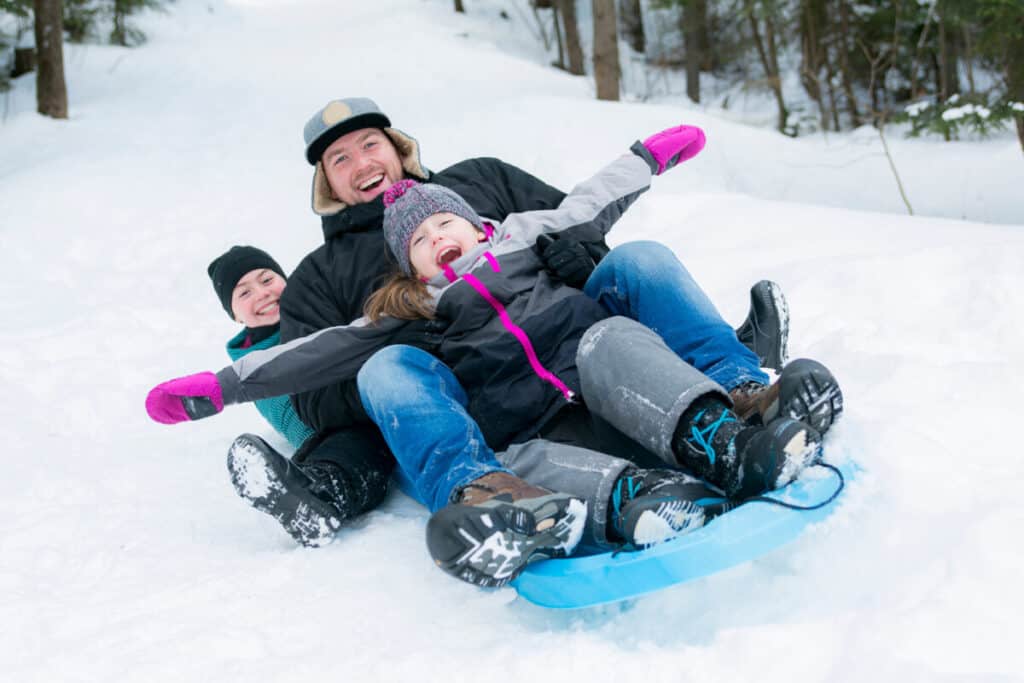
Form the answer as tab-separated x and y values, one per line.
185	398
674	146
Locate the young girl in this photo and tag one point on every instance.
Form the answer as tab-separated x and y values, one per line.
325	482
524	348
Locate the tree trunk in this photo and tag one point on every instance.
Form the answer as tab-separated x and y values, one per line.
969	59
459	7
830	74
24	61
560	63
948	78
51	90
694	30
606	50
769	60
844	63
1015	79
811	49
573	51
773	56
631	15
119	34
915	87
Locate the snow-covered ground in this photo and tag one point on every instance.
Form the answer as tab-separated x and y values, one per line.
125	554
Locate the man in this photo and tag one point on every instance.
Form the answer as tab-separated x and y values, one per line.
357	155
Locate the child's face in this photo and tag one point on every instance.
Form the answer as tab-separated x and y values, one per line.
254	299
438	241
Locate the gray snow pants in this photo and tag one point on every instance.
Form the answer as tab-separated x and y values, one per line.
630	378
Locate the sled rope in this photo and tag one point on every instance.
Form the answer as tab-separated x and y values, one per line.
792	506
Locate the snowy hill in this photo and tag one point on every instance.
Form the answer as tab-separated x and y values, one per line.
126	554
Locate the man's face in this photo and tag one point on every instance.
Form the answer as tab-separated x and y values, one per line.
360	165
438	241
254	300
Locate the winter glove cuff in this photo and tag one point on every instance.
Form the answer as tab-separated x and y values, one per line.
645	154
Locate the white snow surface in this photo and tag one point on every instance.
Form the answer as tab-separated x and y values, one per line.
125	555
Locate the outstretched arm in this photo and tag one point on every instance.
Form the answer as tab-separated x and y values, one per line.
598	202
311	362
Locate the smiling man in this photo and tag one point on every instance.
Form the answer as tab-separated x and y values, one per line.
360	165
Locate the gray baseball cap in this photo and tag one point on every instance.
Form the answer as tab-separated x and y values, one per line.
337	118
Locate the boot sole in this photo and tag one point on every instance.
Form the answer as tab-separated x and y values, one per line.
809	393
259	478
489	544
661	520
800	450
767	297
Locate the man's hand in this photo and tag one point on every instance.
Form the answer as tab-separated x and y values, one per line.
566	259
185	398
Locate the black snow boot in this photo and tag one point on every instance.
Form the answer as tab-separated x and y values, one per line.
740	459
652	506
500	524
309	502
806	391
766	329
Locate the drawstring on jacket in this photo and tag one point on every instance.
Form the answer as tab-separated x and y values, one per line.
506	319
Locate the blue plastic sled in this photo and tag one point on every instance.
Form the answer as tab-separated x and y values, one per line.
740	535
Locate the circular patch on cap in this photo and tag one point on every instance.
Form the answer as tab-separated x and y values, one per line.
335	112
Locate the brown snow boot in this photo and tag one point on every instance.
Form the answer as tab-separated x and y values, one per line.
499	524
806	391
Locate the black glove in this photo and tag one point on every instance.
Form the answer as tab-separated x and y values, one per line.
423	334
566	259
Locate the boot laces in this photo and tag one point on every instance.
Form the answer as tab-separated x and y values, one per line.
626	489
703	437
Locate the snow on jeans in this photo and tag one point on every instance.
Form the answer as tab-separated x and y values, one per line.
420	407
646	282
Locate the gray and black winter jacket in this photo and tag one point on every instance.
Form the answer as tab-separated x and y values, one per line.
513	332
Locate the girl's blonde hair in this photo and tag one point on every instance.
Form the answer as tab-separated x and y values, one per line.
402	297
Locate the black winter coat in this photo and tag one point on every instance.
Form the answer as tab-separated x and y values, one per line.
330	286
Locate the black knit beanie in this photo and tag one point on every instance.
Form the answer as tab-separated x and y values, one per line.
228	268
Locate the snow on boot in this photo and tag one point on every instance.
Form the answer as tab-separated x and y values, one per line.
742	460
652	506
805	391
766	329
300	500
500	524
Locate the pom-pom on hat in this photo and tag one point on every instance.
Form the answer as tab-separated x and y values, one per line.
408	203
227	269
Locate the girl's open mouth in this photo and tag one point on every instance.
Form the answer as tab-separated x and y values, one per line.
447	255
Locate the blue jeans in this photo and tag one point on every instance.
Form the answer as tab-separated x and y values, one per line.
420	407
646	282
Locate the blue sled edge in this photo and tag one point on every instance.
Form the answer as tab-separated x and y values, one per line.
741	535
